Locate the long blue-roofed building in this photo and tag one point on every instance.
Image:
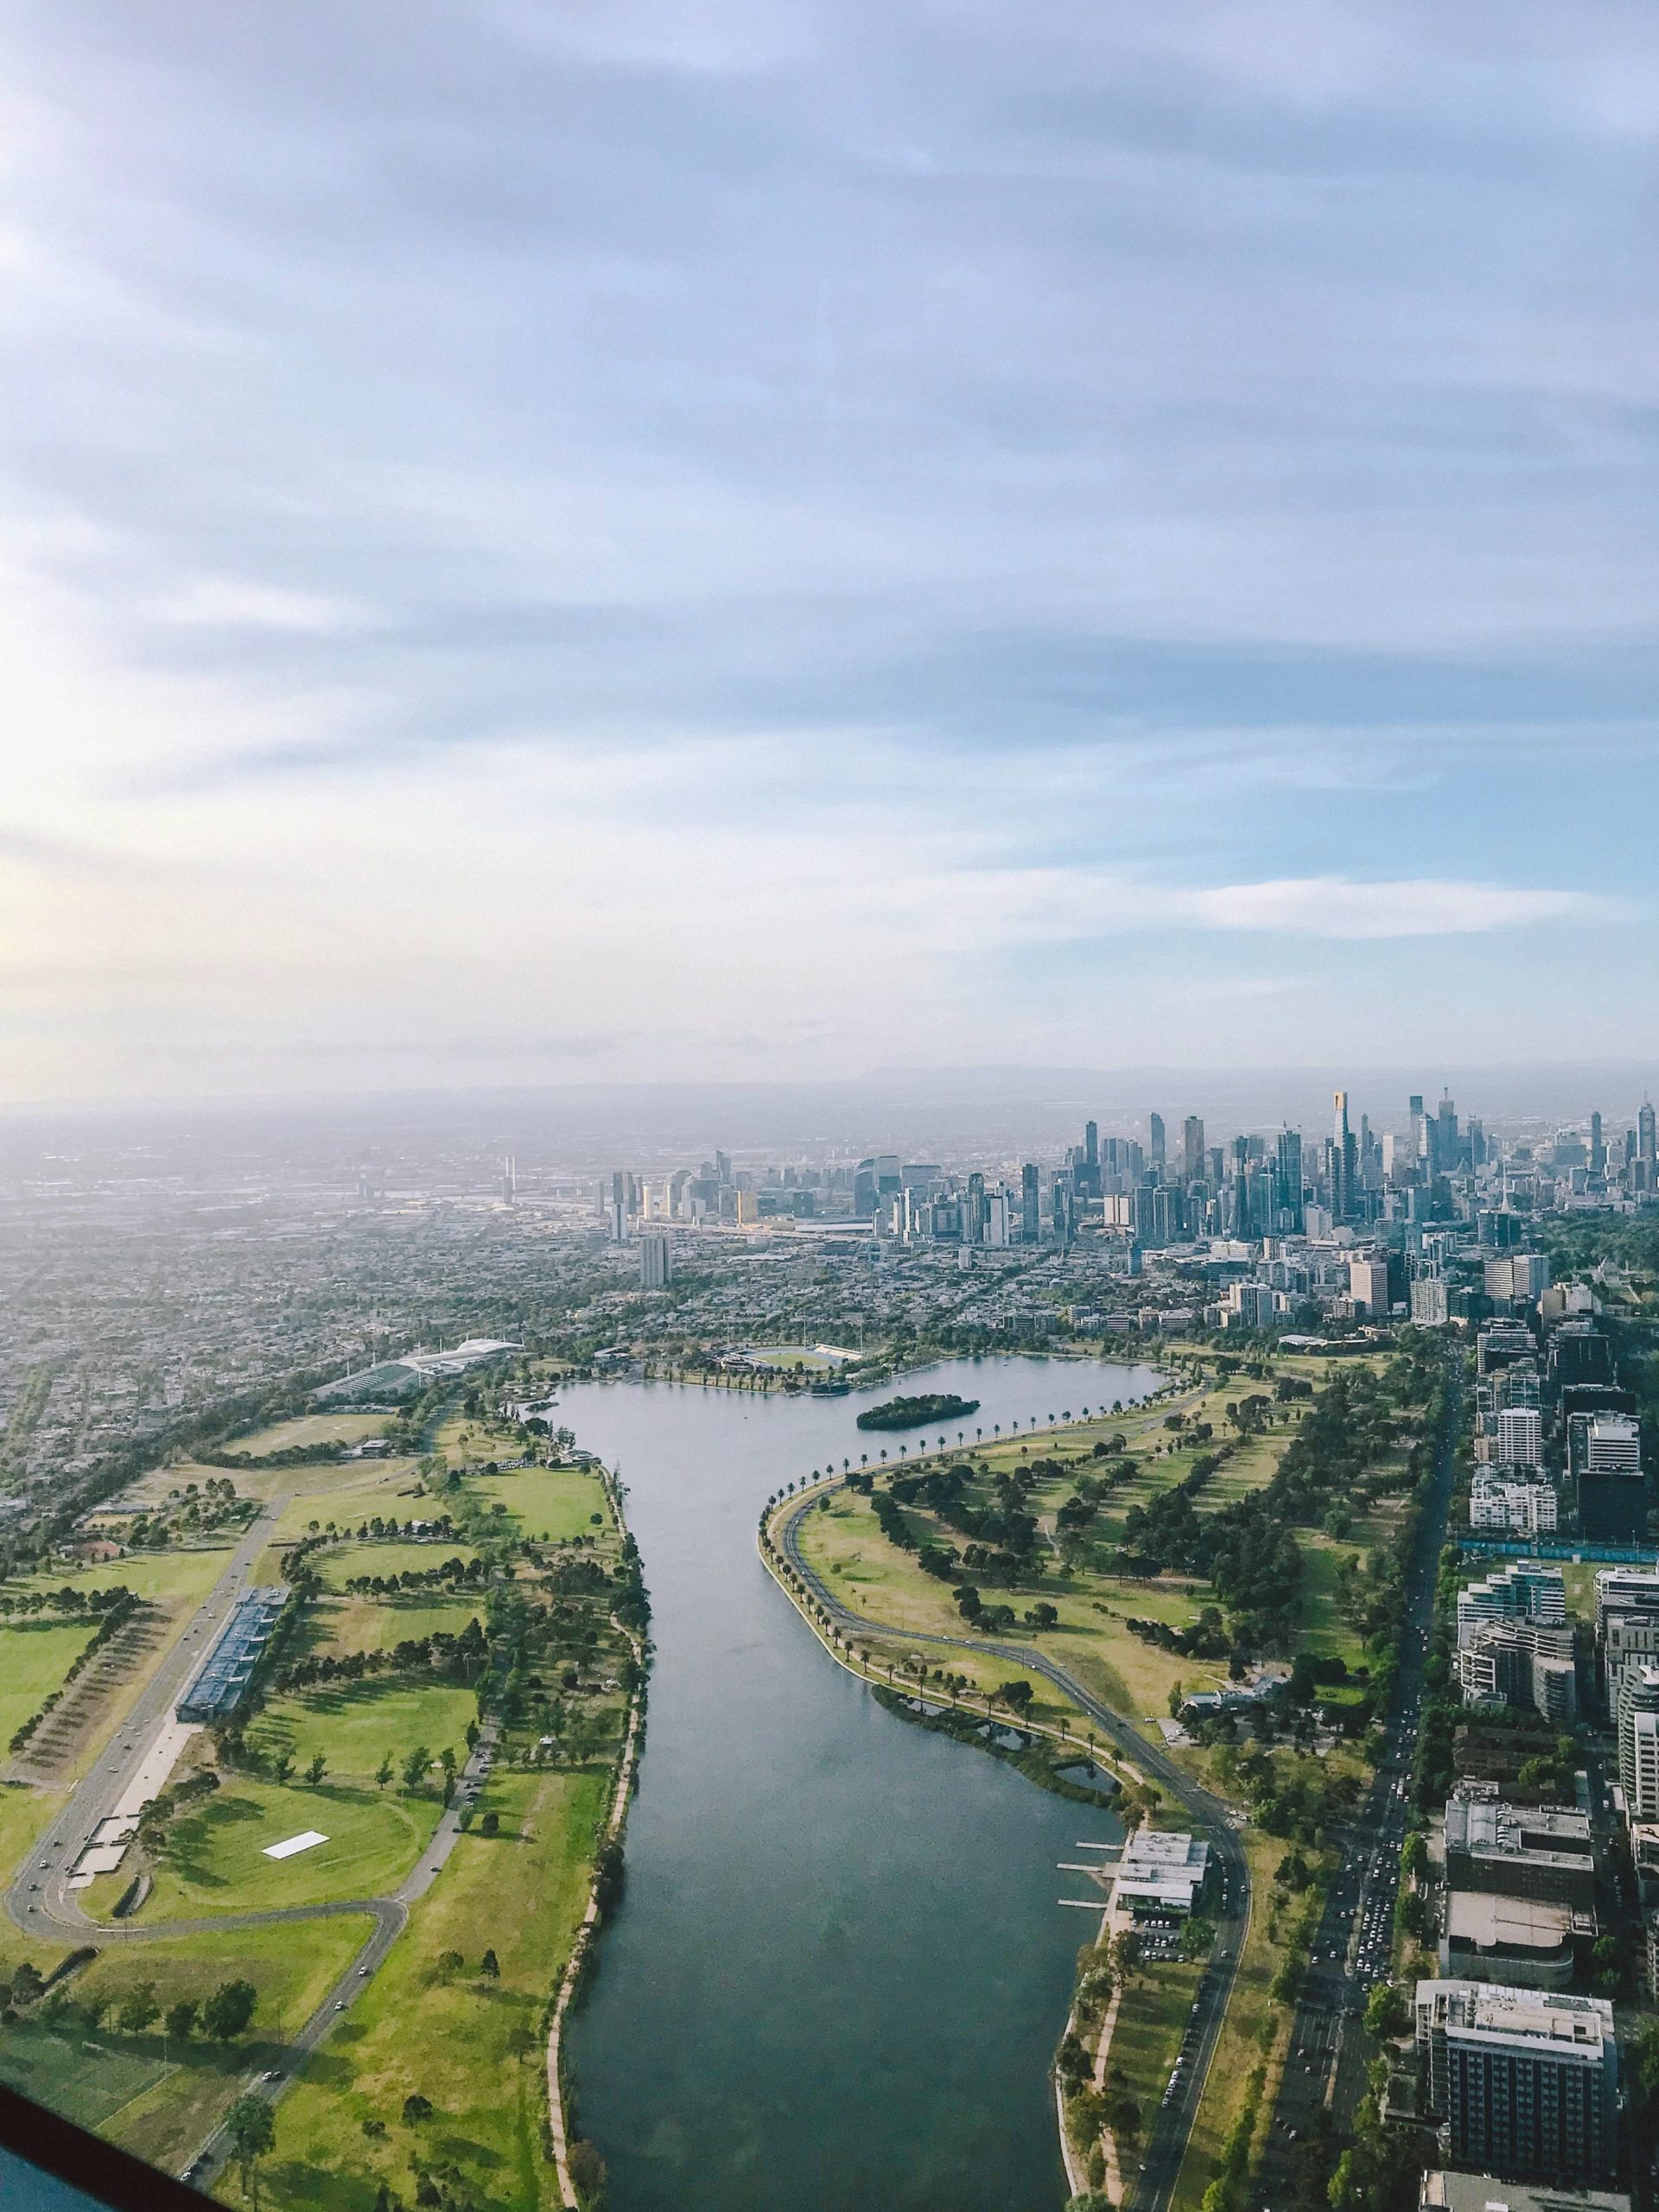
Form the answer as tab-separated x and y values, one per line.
222	1682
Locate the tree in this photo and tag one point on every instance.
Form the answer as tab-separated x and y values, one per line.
26	1984
415	2110
1387	2013
138	2008
281	1766
250	2127
318	1768
383	1771
414	1767
450	1962
491	1824
229	2010
491	1966
181	2021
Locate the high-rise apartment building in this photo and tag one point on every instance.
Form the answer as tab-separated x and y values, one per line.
1638	1743
1521	1436
1526	2082
656	1261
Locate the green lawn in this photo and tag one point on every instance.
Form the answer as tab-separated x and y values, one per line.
160	1578
353	1726
159	2098
215	1859
472	2046
342	1625
1151	2021
308	1431
550	1503
34	1656
23	1813
338	1567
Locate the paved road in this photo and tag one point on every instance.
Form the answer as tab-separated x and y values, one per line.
37	1899
43	1908
1151	2188
1330	2052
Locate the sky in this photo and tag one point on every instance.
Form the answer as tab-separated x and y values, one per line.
709	539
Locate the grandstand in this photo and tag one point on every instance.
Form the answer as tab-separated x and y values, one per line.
222	1681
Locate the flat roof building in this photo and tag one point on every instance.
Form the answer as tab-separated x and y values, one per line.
1525	2082
221	1682
1160	1873
1515	1851
1451	2192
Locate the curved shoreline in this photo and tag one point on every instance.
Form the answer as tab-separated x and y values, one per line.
804	1588
588	1932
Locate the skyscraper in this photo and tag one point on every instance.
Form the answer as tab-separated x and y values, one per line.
1417	1142
1597	1147
1644	1145
1031	1209
1192	1148
1288	1169
1155	1140
1344	1160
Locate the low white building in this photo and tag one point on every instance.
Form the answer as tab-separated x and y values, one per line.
1159	1874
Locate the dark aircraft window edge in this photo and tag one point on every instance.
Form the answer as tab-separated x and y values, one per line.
70	2154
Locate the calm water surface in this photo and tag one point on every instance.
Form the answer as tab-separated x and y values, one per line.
840	1970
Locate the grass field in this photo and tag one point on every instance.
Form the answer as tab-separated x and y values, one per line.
344	1624
307	1432
23	1813
355	1725
336	1567
1151	2021
551	1503
150	2095
175	1576
214	1862
34	1656
472	2045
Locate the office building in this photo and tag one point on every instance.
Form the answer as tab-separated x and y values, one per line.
1525	2083
1546	1852
1613	1446
1430	1302
1525	1942
1156	1142
1192	1149
1031	1205
1368	1287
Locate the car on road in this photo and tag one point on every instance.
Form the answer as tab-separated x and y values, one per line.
272	2074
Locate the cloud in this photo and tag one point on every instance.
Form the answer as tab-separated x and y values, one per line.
1332	907
730	528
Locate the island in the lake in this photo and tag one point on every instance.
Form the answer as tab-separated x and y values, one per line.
917	1413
